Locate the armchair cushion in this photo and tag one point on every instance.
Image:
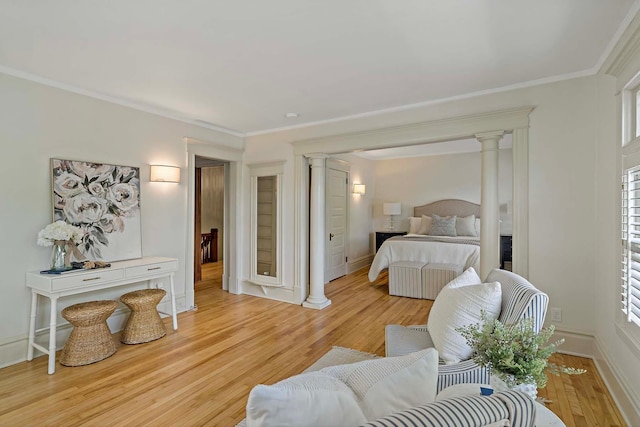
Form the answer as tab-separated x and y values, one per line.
458	307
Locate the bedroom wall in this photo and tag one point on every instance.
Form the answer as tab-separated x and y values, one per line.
38	122
419	180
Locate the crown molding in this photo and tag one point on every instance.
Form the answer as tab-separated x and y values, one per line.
627	45
115	100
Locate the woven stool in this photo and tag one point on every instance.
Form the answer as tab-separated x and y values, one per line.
90	340
144	323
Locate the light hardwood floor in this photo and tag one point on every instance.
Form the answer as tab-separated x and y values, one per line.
202	373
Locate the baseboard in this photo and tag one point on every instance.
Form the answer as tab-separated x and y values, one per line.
13	350
359	263
281	294
585	345
575	343
622	394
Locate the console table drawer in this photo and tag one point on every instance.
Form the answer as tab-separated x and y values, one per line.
157	268
79	280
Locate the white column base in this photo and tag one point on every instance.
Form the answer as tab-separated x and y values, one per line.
317	305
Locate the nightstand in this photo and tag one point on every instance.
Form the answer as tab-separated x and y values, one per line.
505	252
381	236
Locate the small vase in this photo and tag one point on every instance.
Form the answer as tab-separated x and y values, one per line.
59	256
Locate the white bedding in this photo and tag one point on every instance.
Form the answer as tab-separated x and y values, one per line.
455	250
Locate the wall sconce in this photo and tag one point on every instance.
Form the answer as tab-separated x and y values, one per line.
391	209
163	173
359	189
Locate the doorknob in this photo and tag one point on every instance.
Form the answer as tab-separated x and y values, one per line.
330	236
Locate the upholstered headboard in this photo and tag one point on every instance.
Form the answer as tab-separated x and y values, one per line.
448	207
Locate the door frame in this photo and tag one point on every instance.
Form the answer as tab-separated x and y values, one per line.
342	166
232	241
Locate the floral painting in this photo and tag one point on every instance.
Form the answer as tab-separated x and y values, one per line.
104	202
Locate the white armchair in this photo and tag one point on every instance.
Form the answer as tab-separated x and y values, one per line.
520	299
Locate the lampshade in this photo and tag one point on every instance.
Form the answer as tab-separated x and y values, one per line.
391	208
162	173
359	189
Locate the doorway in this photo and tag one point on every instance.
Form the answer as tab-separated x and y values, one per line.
209	223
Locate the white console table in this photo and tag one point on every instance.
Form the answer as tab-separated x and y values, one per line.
54	286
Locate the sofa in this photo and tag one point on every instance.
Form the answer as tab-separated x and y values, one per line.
374	391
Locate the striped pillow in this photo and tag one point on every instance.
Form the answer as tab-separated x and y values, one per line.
510	408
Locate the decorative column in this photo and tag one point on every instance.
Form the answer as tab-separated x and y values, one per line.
316	298
489	203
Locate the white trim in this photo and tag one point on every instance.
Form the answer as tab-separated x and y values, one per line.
257	170
463	127
584	73
520	198
232	239
174	115
586	345
622	394
633	10
301	227
359	263
626	47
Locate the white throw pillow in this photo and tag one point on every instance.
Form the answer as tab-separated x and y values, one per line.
310	399
456	307
477	221
466	226
414	224
391	384
468	277
425	224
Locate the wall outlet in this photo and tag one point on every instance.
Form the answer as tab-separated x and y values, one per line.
556	314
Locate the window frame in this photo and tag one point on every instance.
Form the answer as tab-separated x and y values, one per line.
627	325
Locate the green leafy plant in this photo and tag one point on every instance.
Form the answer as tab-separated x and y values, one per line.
515	352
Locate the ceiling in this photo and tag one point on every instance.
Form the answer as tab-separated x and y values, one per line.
240	65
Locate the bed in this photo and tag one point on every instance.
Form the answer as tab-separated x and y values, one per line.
461	250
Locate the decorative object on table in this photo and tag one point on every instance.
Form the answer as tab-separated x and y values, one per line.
91	265
516	354
90	340
102	200
391	209
64	238
144	323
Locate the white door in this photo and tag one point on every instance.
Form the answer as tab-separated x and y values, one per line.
336	225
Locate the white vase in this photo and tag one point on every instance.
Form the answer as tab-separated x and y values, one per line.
499	385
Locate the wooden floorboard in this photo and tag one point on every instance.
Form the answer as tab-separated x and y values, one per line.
202	373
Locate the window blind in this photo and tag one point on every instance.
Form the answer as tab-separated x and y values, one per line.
630	280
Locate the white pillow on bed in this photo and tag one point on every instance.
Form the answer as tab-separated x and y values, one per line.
414	224
425	224
465	226
478	226
419	225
